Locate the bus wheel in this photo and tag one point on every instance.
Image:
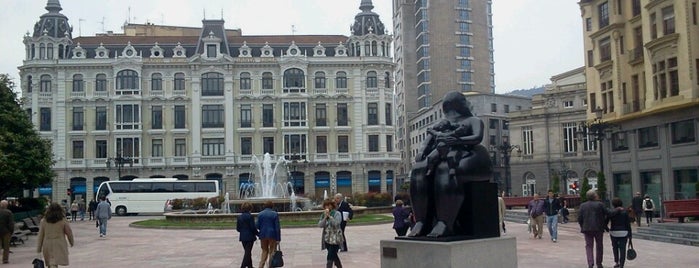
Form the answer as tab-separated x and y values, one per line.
121	211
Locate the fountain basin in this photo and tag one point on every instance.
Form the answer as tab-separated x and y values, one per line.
201	216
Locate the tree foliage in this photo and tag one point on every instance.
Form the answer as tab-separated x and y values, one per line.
602	187
583	189
25	158
556	183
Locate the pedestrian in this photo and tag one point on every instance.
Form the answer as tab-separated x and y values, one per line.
103	214
551	207
91	208
592	218
7	228
81	209
347	214
637	207
619	231
564	211
270	231
648	209
245	225
501	213
332	236
54	229
74	207
535	208
401	218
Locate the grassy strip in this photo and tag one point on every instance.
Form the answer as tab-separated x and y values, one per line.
162	223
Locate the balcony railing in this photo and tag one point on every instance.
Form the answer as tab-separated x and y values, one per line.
636	54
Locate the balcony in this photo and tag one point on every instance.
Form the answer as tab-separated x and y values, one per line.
636	55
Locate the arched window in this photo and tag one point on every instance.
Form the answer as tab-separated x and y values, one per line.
42	51
373	48
179	81
341	80
387	80
45	83
78	83
127	79
245	82
29	84
212	84
293	78
49	51
267	81
156	82
101	82
319	80
371	80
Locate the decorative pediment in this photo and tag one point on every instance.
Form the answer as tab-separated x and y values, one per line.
101	52
340	50
79	52
245	51
156	51
179	51
293	50
267	51
129	51
319	50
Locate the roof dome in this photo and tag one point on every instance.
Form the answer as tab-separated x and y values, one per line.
53	23
367	22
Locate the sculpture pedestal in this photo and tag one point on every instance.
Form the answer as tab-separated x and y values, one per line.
490	252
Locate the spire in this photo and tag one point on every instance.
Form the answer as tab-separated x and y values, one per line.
367	21
53	23
366	6
53	6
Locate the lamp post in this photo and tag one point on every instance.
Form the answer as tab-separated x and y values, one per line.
506	150
119	163
598	130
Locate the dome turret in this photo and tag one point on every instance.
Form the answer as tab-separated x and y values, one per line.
53	23
367	22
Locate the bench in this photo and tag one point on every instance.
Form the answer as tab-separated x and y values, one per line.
682	208
520	201
19	236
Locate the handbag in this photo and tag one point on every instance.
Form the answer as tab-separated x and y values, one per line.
277	258
38	263
630	253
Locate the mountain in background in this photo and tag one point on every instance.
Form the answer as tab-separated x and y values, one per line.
527	92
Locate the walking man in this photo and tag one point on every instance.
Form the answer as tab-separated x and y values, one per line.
536	213
637	207
347	214
551	207
103	214
592	218
7	228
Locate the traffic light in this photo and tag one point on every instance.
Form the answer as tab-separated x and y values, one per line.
69	191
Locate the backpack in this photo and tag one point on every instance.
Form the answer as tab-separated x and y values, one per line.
649	204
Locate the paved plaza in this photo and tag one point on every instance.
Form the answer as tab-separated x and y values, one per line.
135	247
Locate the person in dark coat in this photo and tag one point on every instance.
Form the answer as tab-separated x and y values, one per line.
245	225
347	214
7	227
592	218
619	231
270	232
637	207
401	218
91	208
551	207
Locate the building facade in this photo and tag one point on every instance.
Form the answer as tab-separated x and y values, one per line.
440	46
642	70
205	103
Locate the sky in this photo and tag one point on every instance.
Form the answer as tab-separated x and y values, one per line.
534	39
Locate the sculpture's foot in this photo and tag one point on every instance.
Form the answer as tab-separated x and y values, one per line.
439	229
416	229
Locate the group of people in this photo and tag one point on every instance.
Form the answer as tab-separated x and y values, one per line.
333	220
546	209
595	219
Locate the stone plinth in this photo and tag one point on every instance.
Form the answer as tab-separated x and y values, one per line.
498	252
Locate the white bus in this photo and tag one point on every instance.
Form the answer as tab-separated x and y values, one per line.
150	195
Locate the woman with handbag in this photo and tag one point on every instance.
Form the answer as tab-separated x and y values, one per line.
332	233
245	225
53	232
401	218
619	231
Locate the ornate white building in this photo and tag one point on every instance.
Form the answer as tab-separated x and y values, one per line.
200	103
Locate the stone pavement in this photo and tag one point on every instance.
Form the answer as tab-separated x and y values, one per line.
135	247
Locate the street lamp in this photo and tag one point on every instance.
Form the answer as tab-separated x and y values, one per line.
598	130
506	150
119	163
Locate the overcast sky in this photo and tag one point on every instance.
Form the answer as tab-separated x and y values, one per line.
534	39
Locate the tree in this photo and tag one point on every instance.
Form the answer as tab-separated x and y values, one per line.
555	183
602	187
583	189
25	158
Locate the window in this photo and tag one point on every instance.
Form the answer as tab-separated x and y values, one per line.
78	83
128	116
636	7
569	143
342	114
212	116
648	137
29	84
319	80
372	113
101	82
665	79
589	142
180	147
129	147
78	150
295	144
293	78
157	148
179	82
78	118
603	13
493	123
341	80
180	116
588	24
157	117
245	82
668	20
212	84
673	79
493	107
267	81
683	131
321	115
343	144
212	147
590	58
246	115
653	26
268	145
527	141
373	143
371	80
389	143
101	149
156	82
605	49
387	80
506	108
45	83
246	146
389	112
45	119
267	115
568	104
127	80
294	114
211	51
101	118
619	141
322	144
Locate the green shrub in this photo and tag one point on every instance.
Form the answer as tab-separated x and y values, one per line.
372	199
